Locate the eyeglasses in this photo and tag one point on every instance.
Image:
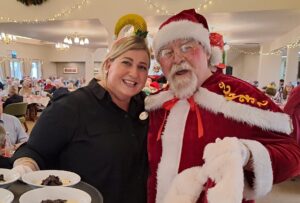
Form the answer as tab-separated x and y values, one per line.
185	49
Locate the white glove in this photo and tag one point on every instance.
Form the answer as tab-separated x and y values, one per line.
21	170
227	145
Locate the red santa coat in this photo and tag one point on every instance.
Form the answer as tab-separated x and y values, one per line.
229	107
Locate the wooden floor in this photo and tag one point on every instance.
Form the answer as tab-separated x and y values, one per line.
285	192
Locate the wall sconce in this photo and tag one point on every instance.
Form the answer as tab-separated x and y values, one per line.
7	38
62	46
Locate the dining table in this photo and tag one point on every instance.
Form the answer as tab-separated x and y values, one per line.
18	188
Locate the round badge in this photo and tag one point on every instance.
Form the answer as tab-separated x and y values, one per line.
143	115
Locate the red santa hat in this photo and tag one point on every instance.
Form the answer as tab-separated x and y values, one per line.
184	25
217	48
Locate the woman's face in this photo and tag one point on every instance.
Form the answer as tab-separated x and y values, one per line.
127	74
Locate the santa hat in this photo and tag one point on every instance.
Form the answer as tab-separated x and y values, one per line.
217	48
184	25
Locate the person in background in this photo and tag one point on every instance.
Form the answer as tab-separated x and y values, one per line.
14	129
26	87
211	136
100	130
60	89
287	90
1	85
4	161
13	96
292	107
71	86
48	86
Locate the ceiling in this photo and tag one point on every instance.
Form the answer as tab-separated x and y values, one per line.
246	25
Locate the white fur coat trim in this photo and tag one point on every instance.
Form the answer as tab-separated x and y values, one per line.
187	186
262	170
267	120
172	139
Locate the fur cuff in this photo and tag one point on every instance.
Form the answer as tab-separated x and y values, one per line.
186	186
262	169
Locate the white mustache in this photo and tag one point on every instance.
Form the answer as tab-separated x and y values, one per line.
179	67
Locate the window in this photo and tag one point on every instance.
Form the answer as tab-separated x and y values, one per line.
2	77
36	69
16	69
282	67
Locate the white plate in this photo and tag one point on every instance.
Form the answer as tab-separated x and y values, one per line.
6	196
73	195
10	176
35	178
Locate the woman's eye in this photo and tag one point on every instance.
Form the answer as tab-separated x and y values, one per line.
143	68
126	62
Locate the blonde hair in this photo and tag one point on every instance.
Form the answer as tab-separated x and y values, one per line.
120	47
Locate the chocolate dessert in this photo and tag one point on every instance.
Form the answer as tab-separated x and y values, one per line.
2	178
54	201
52	180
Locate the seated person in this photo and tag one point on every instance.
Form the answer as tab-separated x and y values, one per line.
4	161
71	87
13	127
48	86
13	96
60	89
26	87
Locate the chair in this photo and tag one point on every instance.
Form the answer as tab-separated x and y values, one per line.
19	110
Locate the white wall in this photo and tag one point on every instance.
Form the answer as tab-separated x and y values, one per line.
50	56
269	69
250	67
245	66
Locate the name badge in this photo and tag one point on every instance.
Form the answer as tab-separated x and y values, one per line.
144	115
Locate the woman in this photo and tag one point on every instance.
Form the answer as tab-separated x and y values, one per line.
96	131
26	87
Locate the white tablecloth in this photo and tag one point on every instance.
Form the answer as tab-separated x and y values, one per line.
36	99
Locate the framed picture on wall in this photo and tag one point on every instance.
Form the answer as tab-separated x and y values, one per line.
70	70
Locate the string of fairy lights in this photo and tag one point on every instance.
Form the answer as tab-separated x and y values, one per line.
62	13
291	45
160	9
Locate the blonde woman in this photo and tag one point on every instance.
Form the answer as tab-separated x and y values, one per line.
97	131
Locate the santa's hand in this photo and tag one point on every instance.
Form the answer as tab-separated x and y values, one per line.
21	170
224	162
227	145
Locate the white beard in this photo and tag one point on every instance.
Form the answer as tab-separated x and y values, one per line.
186	86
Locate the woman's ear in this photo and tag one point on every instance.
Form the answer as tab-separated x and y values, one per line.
107	66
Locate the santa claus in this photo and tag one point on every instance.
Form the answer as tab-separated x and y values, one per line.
212	137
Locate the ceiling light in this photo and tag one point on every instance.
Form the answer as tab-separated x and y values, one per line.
77	39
